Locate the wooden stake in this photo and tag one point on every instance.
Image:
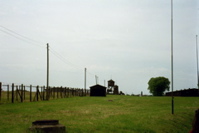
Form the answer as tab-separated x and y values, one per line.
13	92
8	93
21	92
30	93
37	93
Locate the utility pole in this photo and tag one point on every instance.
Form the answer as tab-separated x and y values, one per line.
85	79
197	61
47	82
172	99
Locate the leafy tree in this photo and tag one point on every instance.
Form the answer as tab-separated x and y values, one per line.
158	85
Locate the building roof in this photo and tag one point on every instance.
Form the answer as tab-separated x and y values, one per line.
97	85
111	80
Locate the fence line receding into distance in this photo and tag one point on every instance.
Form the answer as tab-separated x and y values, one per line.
23	93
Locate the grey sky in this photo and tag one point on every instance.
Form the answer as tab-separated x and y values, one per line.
126	40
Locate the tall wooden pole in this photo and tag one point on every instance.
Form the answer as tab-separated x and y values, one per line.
197	61
47	82
85	79
172	100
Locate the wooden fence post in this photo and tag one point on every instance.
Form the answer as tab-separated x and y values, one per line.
47	93
13	92
60	89
21	92
8	93
57	92
24	96
43	92
30	93
70	92
37	93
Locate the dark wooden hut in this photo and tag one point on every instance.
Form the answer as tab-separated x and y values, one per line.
187	92
97	90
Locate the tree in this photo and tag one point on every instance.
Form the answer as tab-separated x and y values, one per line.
158	85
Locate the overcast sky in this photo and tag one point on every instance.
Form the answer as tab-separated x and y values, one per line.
128	41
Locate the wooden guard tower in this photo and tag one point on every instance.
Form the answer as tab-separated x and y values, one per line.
111	85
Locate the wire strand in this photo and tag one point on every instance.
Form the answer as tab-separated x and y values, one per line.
36	43
20	37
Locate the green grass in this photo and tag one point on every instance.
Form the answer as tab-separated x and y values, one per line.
111	114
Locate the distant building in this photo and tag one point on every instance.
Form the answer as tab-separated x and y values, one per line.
186	92
112	88
111	85
97	90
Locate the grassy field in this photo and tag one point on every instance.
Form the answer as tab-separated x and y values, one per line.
118	114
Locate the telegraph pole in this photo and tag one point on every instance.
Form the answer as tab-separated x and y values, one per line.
85	79
172	100
197	61
47	82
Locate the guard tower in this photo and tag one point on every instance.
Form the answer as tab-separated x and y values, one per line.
111	85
